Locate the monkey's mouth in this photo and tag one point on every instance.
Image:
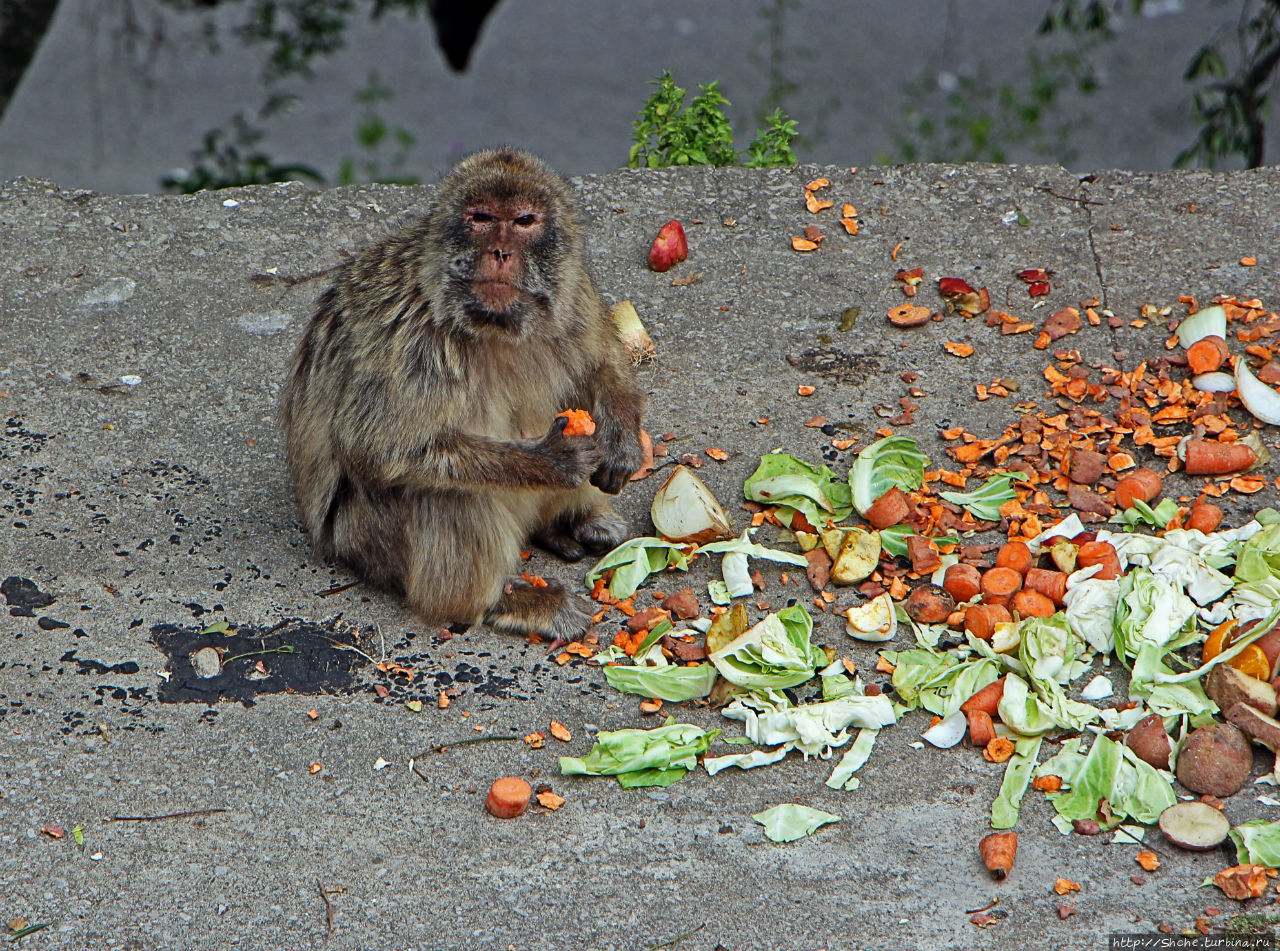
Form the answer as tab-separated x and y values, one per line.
497	297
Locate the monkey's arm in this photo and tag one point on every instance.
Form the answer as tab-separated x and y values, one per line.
464	460
617	407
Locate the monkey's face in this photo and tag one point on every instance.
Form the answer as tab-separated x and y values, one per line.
508	239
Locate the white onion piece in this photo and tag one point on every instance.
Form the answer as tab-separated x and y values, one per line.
1217	382
947	732
1099	688
684	509
1208	322
1258	398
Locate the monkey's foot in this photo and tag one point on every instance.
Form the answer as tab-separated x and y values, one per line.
550	611
601	530
559	542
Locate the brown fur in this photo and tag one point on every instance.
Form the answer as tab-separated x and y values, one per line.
418	413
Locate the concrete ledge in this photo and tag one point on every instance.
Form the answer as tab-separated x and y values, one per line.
165	502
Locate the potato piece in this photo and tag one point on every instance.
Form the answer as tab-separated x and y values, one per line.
1149	741
1063	553
1194	825
1085	467
832	539
1006	638
874	621
1216	759
1257	725
928	604
1227	686
859	554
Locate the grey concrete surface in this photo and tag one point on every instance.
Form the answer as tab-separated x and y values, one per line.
166	502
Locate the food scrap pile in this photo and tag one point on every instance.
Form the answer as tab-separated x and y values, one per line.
1007	643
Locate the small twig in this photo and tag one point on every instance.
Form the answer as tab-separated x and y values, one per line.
172	815
291	280
286	649
419	773
676	940
1082	201
441	747
29	929
336	589
987	907
328	910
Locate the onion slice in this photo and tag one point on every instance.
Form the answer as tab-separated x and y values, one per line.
1207	322
1217	382
948	731
684	509
1258	398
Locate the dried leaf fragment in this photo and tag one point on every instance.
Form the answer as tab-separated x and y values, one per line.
1242	881
815	204
549	800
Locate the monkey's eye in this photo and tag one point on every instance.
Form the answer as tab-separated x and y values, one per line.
527	221
480	217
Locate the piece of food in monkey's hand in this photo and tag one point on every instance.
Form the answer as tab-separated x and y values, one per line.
508	797
580	422
669	247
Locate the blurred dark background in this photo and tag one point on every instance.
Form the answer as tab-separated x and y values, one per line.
119	94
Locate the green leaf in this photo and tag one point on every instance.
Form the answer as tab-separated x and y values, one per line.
670	746
783	480
774	654
1007	804
789	821
892	461
671	683
985	501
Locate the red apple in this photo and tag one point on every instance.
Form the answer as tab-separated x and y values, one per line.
669	247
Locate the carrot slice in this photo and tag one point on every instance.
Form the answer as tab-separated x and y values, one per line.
1000	584
981	730
986	700
580	422
1207	354
1099	553
963	582
1028	603
1204	517
1015	555
980	620
508	797
1052	584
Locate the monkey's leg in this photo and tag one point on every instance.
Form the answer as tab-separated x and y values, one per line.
580	522
461	549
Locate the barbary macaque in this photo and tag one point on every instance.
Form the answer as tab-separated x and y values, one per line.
420	409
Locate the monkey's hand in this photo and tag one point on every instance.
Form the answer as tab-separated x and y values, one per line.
621	456
571	459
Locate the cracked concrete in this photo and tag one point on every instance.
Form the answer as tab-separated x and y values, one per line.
143	341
